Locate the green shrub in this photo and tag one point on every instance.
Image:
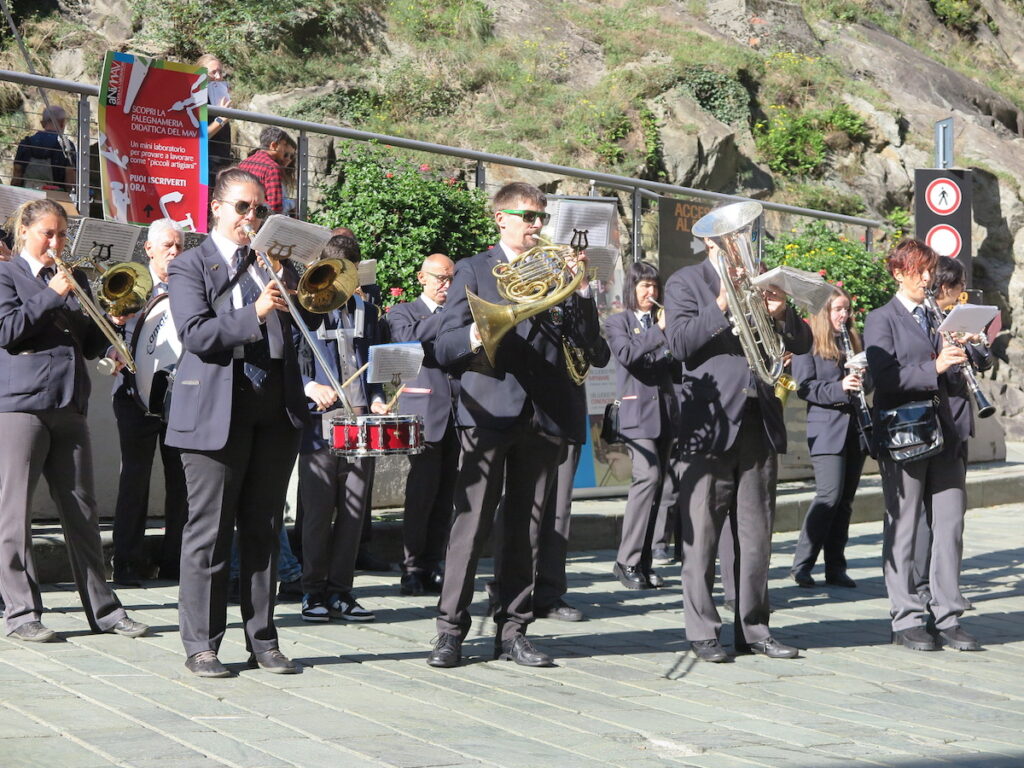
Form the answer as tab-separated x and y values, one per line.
824	198
427	20
840	260
721	95
402	212
793	142
960	15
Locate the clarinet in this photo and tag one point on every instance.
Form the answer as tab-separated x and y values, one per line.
985	408
860	405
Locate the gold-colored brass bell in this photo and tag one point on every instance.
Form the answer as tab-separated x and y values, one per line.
327	284
124	288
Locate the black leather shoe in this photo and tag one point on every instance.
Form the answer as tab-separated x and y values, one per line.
915	638
367	561
273	661
33	632
206	664
127	576
769	647
129	628
709	650
960	639
560	611
434	581
803	579
411	584
840	580
653	579
521	651
630	576
447	651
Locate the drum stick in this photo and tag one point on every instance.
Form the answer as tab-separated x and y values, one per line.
391	403
354	376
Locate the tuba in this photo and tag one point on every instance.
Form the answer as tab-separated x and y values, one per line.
534	281
730	228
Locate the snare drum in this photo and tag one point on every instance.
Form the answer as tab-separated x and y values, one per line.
156	349
354	436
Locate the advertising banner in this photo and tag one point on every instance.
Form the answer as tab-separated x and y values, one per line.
152	141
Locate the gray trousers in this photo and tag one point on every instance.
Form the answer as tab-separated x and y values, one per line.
651	473
429	490
742	478
527	458
552	536
333	493
910	489
56	445
826	525
244	485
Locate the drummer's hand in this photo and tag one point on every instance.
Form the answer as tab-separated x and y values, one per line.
323	395
381	409
111	354
269	300
59	284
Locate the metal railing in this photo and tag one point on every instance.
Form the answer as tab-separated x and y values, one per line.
638	188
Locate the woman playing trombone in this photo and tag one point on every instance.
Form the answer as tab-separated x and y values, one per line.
44	393
831	389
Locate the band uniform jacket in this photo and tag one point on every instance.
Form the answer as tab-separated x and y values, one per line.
597	354
45	340
902	363
311	370
200	412
716	376
643	376
830	409
432	393
530	364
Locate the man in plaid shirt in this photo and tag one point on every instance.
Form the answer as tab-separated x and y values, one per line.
277	151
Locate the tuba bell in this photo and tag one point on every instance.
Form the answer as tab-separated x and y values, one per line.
534	281
124	288
730	228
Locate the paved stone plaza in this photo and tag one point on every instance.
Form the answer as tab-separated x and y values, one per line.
626	691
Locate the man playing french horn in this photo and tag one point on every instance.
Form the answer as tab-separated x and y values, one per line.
511	416
731	431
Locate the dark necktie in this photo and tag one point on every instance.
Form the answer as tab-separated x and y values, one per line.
645	321
256	353
46	274
438	309
922	320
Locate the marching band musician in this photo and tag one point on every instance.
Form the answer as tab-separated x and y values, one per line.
139	433
731	431
834	441
909	361
44	393
512	423
430	485
334	492
648	413
236	414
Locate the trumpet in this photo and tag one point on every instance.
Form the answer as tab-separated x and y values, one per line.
105	365
985	408
297	318
731	227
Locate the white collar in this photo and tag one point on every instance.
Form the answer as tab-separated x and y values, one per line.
907	303
431	304
34	264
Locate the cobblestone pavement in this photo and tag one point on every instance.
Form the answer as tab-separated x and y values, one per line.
625	693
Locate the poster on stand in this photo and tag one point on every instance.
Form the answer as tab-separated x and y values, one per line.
152	141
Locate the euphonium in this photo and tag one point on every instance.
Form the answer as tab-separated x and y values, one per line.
124	288
730	228
534	281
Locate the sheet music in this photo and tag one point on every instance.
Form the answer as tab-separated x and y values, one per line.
105	242
287	238
597	217
968	318
390	360
367	272
602	260
808	289
12	197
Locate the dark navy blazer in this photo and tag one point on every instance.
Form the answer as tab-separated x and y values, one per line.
643	377
530	364
829	407
45	339
716	375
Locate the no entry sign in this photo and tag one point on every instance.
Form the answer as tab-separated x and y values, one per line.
942	212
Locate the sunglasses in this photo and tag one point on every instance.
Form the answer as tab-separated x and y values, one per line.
529	216
242	207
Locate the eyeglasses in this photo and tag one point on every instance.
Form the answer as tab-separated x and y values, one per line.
242	208
442	279
529	216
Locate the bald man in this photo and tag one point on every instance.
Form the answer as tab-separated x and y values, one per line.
431	482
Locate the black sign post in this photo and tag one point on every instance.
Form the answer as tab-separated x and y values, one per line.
943	212
677	247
